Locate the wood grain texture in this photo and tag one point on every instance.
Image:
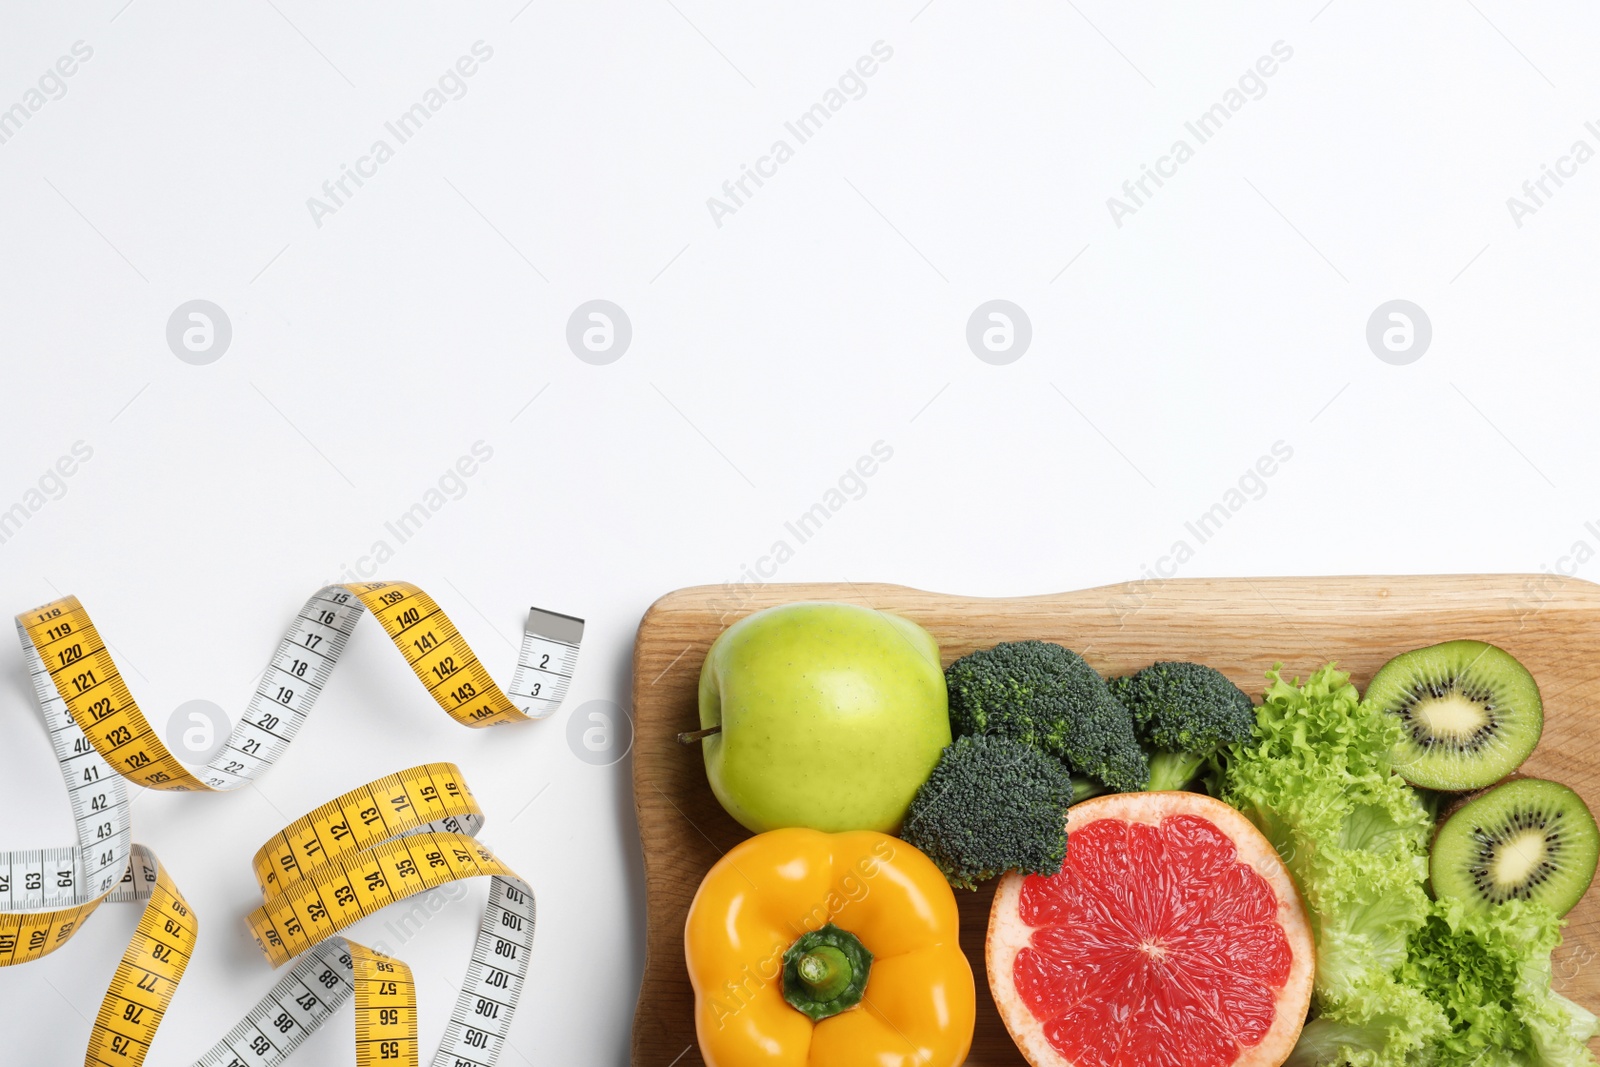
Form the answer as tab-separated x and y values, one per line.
1240	626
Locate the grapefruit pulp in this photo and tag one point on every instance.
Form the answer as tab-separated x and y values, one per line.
1172	937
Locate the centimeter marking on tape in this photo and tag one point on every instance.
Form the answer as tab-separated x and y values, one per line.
378	844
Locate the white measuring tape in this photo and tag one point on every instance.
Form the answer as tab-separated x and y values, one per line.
378	844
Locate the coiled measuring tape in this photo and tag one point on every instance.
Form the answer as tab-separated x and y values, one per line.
98	734
397	837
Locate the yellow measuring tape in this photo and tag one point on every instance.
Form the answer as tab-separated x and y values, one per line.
386	841
67	646
389	840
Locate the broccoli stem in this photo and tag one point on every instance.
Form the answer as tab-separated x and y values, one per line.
1173	770
1084	788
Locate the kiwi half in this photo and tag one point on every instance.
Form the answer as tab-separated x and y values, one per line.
1529	839
1471	714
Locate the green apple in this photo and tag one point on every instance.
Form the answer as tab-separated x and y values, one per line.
830	717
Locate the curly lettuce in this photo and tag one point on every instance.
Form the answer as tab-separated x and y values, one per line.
1490	972
1316	779
1402	980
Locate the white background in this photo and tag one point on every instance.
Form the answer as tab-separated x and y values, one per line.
826	314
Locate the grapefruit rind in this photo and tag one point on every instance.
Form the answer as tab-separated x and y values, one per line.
1008	935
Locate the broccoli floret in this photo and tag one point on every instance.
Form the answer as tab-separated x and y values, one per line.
1044	695
992	804
1183	713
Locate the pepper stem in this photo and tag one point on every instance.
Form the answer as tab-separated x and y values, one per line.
825	972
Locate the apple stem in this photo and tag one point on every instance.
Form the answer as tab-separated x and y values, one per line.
691	736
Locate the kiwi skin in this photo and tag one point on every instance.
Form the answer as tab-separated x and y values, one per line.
1560	888
1454	802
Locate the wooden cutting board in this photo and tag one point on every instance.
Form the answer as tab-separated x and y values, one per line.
1240	626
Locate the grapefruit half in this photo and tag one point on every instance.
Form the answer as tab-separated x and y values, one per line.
1172	937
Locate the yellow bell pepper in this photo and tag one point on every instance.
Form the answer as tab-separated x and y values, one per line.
809	949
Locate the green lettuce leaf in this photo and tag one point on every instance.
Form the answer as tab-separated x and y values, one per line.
1317	781
1490	972
1402	980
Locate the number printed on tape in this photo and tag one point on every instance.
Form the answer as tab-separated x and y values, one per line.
384	842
